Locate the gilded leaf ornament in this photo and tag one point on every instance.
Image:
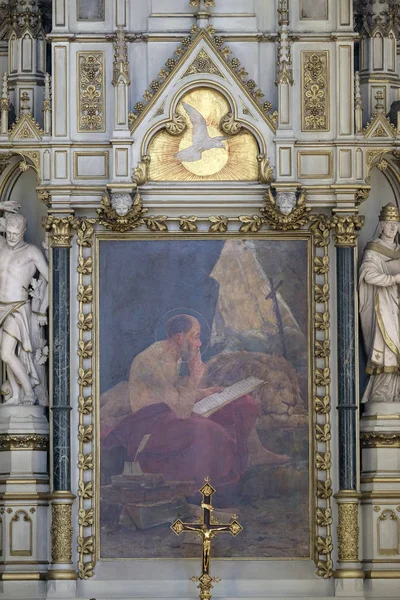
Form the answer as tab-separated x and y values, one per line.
141	172
219	224
188	223
266	171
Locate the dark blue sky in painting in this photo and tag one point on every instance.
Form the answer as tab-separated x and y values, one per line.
143	283
140	282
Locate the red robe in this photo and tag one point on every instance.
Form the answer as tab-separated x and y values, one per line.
188	449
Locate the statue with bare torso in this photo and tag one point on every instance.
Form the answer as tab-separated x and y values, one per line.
19	263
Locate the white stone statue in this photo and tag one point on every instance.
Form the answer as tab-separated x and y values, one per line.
379	309
23	312
286	202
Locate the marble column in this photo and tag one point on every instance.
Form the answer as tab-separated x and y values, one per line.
346	227
62	498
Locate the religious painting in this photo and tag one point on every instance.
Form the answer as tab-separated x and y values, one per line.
204	371
203	152
316	10
90	10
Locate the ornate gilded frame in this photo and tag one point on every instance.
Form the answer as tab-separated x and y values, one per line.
318	229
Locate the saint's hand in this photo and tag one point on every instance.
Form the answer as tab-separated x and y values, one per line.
216	389
397	278
42	320
196	367
10	206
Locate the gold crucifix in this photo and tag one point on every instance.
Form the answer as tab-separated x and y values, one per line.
207	528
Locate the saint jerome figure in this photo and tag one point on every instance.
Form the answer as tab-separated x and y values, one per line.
163	433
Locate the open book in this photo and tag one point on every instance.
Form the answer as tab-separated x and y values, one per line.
208	406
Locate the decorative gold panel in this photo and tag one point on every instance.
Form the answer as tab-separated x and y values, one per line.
315	91
91	96
196	145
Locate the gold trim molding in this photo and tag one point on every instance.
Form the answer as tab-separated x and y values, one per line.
318	228
67	575
382	574
373	439
86	537
21	441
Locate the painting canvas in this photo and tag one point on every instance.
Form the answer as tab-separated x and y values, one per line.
314	9
204	372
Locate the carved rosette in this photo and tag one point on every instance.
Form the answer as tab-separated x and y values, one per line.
346	229
177	125
61	533
348	531
202	64
229	126
60	229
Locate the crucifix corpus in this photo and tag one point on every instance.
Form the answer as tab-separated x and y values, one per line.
207	528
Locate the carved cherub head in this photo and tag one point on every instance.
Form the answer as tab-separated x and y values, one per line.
286	202
121	203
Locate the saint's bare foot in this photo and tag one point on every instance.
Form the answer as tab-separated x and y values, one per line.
29	400
266	457
259	455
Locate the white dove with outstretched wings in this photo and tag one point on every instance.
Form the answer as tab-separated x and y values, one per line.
201	139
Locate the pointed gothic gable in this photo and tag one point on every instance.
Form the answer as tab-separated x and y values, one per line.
379	127
206	80
26	128
202	54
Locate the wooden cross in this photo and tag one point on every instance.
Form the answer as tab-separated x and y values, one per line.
207	528
273	295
